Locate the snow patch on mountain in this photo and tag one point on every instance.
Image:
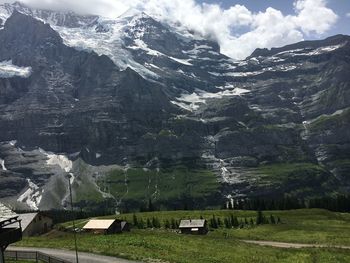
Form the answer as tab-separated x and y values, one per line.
109	43
310	52
60	160
32	196
2	163
182	61
192	102
8	70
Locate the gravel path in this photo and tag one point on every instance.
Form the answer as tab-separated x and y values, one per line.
291	245
70	255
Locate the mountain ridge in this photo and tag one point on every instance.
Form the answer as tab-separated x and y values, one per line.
272	125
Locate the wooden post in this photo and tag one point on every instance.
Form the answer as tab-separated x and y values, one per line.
2	257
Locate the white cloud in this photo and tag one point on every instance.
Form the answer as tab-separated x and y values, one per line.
238	30
348	14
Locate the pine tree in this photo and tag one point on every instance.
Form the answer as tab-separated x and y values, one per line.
173	224
219	222
141	224
235	222
213	222
167	224
149	223
227	222
135	221
279	220
272	219
259	218
156	222
246	221
150	205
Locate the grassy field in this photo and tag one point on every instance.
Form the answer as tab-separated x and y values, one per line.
222	245
314	226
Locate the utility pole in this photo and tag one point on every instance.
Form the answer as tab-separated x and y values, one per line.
74	231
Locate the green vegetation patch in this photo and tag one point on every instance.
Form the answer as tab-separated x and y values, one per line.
331	121
284	173
162	186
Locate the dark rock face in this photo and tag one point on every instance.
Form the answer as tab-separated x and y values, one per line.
287	105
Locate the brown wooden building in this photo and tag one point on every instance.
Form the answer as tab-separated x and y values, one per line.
106	226
195	227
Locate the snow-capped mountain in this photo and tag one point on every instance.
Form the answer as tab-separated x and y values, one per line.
83	96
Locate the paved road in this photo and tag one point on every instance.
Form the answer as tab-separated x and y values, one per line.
70	255
291	245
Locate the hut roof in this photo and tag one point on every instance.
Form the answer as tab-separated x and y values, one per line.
26	219
6	213
192	223
99	224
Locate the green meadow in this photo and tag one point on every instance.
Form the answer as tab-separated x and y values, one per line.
313	226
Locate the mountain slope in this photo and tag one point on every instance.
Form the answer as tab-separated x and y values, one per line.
123	106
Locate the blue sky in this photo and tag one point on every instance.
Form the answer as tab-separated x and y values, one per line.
340	7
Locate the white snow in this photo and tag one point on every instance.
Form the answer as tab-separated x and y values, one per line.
8	70
108	43
60	160
32	196
193	101
182	61
2	163
140	44
307	52
278	68
13	142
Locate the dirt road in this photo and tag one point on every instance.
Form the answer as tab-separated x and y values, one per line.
291	245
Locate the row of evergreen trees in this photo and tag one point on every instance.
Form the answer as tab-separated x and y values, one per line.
339	203
233	222
215	222
154	222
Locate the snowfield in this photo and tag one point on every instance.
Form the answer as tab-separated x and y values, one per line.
8	70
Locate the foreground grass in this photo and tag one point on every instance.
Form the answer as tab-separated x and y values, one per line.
315	226
166	246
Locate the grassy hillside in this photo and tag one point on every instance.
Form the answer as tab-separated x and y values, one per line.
313	226
174	187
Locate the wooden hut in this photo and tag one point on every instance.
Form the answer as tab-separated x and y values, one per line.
195	227
34	224
106	226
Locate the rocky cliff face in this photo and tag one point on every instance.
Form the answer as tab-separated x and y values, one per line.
122	100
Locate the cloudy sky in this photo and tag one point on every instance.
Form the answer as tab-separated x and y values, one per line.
239	26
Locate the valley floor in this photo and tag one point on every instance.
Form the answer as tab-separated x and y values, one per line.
314	226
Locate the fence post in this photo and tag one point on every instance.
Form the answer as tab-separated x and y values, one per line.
16	253
36	256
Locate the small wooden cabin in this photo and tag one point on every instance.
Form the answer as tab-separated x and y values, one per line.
106	226
194	227
34	224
